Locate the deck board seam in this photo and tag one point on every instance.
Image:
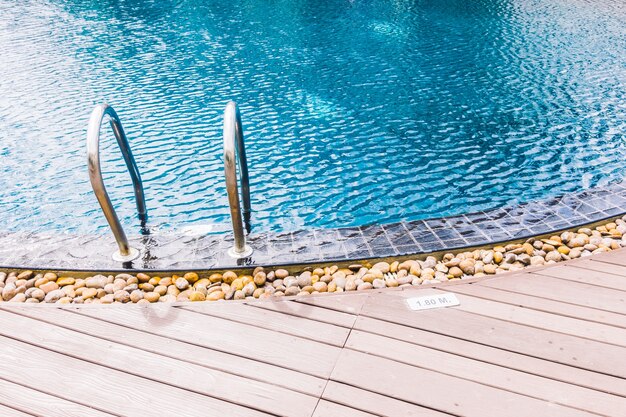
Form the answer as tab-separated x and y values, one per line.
20	410
258	304
484	297
394	398
586	266
235	320
493	363
560	301
595	284
123	371
4	378
485	384
197	345
474	313
489	346
609	261
356	315
531	326
165	355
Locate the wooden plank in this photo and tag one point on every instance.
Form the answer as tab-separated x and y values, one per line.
275	321
328	409
225	336
194	378
533	318
586	276
617	257
41	404
596	265
297	309
12	412
437	391
214	359
486	374
349	303
373	402
542	304
489	354
106	389
557	347
570	292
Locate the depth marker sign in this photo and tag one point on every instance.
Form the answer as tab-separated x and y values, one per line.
433	301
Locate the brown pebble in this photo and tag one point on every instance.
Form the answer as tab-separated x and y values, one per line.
160	289
151	297
197	296
229	277
281	273
191	277
25	275
216	295
136	295
49	286
215	277
143	277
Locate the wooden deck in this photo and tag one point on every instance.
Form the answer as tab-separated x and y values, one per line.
546	342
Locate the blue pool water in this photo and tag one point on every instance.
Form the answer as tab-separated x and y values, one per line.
355	112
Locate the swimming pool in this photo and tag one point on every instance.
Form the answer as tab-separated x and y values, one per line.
355	112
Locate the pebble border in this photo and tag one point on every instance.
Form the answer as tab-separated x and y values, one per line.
141	288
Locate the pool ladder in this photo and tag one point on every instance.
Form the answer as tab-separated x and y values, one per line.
234	154
234	149
125	253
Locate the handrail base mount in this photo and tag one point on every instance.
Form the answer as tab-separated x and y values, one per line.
132	255
233	253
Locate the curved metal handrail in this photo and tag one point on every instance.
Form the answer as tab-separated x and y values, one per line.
234	149
126	252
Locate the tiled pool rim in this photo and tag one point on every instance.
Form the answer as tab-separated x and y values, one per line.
20	250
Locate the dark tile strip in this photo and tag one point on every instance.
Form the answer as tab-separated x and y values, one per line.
171	251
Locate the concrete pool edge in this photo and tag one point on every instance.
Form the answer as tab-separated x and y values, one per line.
173	252
230	285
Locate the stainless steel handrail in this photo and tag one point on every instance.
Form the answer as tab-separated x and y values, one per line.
126	252
234	149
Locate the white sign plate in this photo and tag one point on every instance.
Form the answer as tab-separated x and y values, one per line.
433	301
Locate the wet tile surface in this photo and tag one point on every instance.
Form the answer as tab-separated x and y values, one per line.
184	252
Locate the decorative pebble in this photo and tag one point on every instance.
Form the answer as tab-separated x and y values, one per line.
498	257
25	275
553	256
216	295
53	296
121	296
182	284
191	277
98	281
135	296
30	287
197	296
281	273
49	286
379	283
151	297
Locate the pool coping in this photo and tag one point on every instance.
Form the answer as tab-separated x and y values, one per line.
170	251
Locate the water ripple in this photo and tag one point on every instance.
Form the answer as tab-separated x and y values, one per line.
354	112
